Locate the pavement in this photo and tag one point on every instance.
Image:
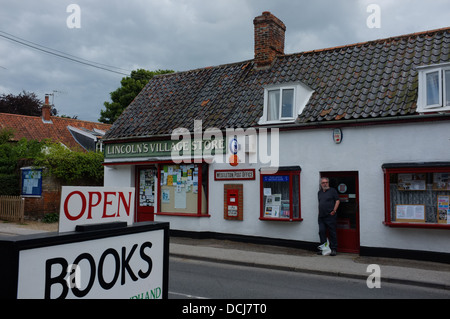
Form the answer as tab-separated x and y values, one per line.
412	272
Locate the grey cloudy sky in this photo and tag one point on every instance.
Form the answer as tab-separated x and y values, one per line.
174	34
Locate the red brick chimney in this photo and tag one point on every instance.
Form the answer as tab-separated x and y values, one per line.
46	111
269	38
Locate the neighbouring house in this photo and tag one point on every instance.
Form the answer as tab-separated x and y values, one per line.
237	150
42	193
73	133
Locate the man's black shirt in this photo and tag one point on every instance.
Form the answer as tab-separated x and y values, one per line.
327	200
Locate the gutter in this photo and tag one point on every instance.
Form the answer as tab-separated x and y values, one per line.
361	122
313	125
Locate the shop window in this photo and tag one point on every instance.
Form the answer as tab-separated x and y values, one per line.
280	195
417	195
183	190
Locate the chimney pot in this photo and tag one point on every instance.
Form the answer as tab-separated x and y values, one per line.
269	38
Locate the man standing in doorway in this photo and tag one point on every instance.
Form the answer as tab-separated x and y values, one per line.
328	205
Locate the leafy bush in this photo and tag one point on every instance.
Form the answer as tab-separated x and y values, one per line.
70	166
51	218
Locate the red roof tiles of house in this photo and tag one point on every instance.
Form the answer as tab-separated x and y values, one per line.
58	129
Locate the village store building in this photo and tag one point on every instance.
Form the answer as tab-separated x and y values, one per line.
373	117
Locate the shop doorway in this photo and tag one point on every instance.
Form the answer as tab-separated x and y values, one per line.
346	183
145	197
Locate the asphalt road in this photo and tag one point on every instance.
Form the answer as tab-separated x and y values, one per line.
193	279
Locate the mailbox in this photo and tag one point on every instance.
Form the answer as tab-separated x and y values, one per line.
232	202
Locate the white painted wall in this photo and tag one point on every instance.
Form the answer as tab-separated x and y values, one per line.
363	149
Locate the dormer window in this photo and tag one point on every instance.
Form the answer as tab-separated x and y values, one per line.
280	104
434	88
283	103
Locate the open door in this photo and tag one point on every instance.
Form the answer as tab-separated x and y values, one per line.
145	197
346	184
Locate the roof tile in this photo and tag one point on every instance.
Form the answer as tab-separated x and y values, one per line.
33	128
363	80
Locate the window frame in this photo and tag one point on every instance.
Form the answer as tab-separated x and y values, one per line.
291	172
280	104
440	86
442	92
444	88
412	168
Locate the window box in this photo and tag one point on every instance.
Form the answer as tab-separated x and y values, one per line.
280	195
417	195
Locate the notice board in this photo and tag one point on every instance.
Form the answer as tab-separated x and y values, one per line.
410	213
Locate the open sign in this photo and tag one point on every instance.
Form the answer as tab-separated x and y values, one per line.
93	205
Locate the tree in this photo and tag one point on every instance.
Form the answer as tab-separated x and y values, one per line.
12	157
71	167
123	96
26	103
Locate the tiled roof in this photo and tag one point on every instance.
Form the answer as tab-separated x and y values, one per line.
33	128
375	79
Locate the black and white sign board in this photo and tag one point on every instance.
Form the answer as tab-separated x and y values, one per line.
124	262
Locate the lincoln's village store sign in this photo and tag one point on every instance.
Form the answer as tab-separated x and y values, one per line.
188	147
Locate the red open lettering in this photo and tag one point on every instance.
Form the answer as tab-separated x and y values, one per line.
99	199
125	205
83	205
106	203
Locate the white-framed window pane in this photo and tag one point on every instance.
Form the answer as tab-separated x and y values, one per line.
288	103
273	105
432	82
447	87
